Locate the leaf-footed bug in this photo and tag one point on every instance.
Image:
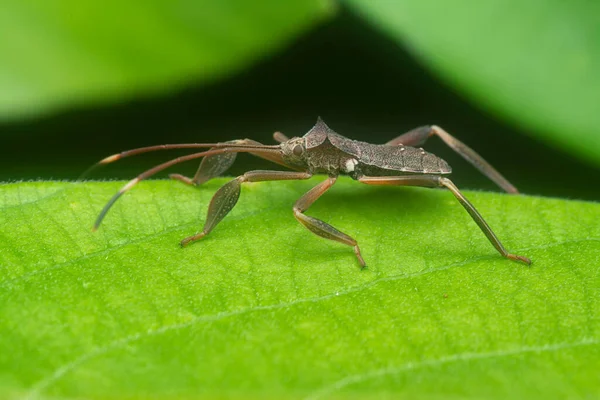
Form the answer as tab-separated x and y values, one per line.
321	150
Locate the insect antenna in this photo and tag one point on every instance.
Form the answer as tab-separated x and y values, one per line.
221	148
148	149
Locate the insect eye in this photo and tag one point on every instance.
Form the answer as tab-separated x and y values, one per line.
297	150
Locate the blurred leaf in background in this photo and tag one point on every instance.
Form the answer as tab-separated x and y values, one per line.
534	62
59	54
531	63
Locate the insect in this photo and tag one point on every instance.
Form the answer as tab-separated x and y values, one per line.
321	150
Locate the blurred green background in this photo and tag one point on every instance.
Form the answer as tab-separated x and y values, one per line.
80	82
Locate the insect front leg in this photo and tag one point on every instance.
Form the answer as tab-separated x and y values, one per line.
319	227
437	181
419	136
280	137
212	166
227	196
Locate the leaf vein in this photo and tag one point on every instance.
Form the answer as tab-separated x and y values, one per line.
58	373
460	357
118	343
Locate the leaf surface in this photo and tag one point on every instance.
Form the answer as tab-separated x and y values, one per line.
264	309
532	62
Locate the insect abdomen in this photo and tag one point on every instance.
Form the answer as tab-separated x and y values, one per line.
392	159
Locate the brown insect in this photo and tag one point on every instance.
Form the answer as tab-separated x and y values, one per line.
322	150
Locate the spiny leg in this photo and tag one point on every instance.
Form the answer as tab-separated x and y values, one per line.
227	196
419	136
319	227
436	181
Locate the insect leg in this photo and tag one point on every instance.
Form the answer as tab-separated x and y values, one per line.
280	137
419	136
319	227
227	196
414	137
436	181
212	166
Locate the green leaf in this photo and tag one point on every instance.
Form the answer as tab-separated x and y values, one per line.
77	52
534	62
264	309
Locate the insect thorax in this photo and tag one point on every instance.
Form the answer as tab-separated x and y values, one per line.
324	158
330	160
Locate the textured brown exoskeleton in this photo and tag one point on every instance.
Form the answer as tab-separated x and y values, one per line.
322	150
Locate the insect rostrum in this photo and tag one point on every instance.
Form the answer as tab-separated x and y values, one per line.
321	150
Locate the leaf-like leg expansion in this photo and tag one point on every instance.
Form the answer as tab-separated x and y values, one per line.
419	136
212	166
319	227
227	196
436	181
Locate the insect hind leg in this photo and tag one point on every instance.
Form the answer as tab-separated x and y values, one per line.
419	136
414	137
439	181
